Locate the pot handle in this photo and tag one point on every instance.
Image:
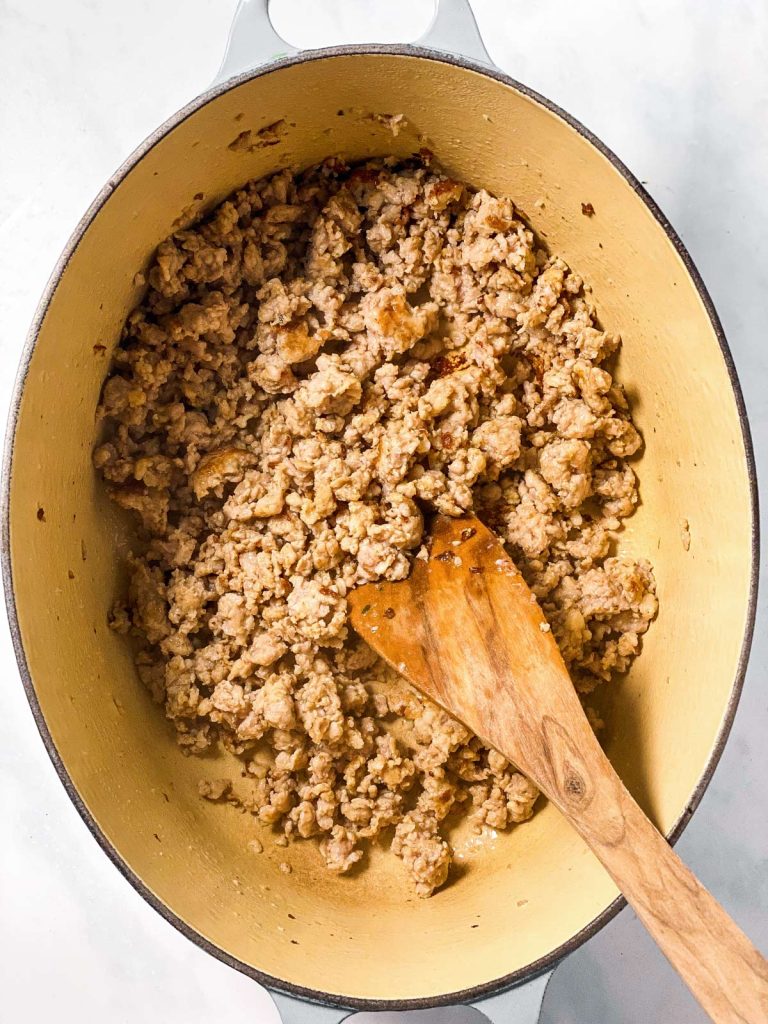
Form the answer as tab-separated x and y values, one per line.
521	1005
253	40
454	30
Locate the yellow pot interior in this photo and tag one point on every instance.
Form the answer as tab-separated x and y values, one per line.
522	895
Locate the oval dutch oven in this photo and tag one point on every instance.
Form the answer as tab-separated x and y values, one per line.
325	945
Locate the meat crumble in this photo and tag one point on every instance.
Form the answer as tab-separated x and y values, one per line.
320	363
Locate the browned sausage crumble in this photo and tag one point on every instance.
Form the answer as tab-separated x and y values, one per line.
322	361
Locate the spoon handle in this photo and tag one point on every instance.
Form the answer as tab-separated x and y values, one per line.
467	631
718	963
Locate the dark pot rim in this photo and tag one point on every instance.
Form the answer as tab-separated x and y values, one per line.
545	963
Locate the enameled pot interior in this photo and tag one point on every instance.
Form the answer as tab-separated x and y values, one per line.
520	896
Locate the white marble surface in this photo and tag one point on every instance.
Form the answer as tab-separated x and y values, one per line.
675	87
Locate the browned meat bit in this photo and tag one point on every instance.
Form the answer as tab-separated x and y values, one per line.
440	194
249	140
227	465
449	363
319	363
215	789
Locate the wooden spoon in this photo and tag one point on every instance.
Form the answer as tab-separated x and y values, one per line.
465	630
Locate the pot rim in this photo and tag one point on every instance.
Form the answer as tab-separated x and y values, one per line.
551	959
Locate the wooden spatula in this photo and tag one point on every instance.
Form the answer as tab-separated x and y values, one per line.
465	630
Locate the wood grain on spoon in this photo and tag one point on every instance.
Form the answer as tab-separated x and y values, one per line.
465	629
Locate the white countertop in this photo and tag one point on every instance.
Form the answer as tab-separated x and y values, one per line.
675	88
